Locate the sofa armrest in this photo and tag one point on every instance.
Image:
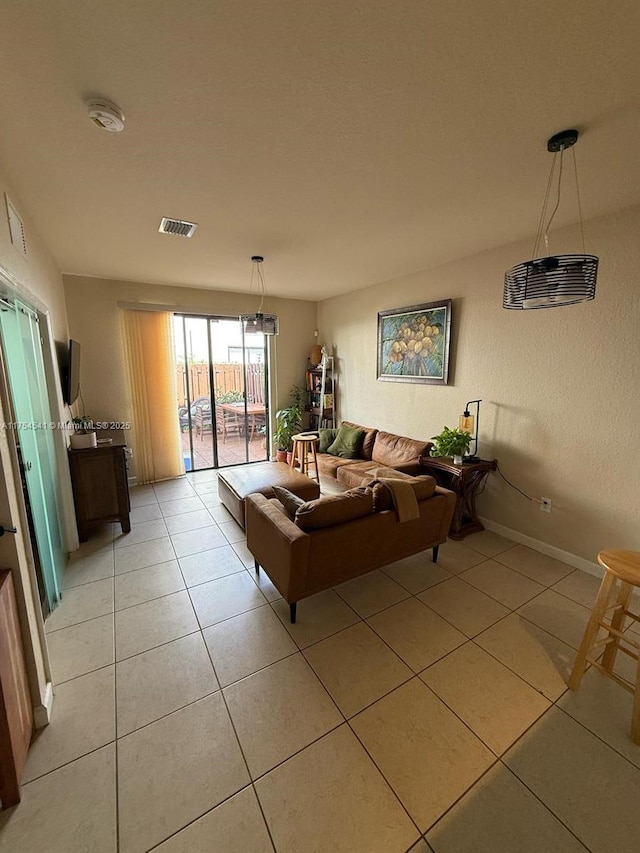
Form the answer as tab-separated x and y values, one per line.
278	545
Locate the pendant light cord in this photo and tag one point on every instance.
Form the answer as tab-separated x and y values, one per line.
256	269
543	212
262	287
575	171
543	231
555	209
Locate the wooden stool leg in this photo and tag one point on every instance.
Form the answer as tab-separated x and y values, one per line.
591	632
314	454
292	463
617	622
304	464
635	714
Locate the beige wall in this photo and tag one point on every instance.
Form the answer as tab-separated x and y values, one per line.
560	387
38	271
95	322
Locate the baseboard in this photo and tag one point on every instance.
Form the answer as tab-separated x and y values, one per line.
42	712
544	548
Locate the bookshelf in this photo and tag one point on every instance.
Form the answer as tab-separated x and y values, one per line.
321	391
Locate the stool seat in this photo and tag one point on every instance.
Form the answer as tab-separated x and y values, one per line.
610	611
623	564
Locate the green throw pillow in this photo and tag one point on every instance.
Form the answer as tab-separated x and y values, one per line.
327	437
347	443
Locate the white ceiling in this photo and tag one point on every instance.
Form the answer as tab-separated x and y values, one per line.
348	142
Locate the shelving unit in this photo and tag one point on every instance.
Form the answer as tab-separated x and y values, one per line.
321	388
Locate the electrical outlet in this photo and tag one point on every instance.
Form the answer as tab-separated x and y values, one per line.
545	504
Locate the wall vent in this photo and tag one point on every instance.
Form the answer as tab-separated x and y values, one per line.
179	227
16	228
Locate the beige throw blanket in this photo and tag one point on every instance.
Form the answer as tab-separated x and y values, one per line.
404	499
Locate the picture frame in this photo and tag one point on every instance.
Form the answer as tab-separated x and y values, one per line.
414	343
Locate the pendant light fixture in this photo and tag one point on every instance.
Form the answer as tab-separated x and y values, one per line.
267	324
547	282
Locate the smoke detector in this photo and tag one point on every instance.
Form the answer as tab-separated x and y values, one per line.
106	115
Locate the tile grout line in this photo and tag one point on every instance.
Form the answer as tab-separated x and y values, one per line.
542	802
115	722
387	782
204	814
301	650
340	712
235	732
594	734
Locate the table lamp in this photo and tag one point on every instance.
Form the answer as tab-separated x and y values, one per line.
470	423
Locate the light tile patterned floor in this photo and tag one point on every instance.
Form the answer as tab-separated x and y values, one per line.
422	707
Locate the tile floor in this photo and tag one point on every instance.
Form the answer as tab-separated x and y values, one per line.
421	707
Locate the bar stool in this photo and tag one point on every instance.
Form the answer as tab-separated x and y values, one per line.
302	444
623	568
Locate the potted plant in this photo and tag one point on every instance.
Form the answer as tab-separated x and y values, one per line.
288	423
84	434
451	442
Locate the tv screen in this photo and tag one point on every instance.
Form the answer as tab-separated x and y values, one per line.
71	378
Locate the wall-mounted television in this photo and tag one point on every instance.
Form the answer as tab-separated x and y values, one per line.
71	374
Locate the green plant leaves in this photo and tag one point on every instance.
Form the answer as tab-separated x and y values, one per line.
450	442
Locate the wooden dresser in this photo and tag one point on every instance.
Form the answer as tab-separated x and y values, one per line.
100	483
16	718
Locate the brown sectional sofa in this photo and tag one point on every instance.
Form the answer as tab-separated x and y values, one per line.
379	450
336	538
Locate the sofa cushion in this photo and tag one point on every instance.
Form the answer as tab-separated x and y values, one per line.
392	450
326	438
382	498
347	443
289	501
330	465
360	473
335	509
424	487
367	442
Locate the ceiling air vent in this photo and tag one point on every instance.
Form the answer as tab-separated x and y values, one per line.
179	227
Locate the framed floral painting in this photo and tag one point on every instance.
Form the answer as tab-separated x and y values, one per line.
413	343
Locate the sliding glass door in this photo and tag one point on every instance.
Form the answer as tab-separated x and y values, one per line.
34	438
222	401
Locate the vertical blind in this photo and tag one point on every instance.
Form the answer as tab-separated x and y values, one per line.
155	433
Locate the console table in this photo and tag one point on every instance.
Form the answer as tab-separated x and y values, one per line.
464	480
100	483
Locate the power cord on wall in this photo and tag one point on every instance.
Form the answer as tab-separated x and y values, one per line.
509	483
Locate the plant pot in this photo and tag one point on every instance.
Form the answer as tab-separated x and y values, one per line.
289	456
457	460
281	455
83	440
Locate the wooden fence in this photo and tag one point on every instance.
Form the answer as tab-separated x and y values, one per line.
227	378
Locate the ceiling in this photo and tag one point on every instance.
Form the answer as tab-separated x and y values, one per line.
348	142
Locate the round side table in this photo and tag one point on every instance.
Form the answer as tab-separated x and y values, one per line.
304	446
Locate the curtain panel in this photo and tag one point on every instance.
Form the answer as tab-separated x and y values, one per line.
155	433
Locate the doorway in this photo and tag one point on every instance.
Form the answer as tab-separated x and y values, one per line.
33	426
222	381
